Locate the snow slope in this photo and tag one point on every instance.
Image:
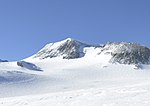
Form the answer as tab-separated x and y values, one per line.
90	80
114	85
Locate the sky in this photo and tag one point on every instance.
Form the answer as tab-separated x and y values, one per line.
27	25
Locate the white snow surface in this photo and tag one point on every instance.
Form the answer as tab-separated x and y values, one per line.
87	81
78	82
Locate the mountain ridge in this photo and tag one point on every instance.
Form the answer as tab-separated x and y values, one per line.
87	80
68	49
120	52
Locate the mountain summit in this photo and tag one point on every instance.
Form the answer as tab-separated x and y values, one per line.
120	52
67	49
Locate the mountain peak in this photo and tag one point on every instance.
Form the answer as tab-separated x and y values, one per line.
67	49
69	39
119	52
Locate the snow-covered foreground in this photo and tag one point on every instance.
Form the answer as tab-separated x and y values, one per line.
74	83
136	95
71	73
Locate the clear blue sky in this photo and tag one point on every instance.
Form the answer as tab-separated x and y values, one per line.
27	25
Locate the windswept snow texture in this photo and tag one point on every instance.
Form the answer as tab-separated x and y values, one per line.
88	81
76	83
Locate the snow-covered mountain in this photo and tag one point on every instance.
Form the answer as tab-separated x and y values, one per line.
72	73
67	49
127	53
121	52
3	60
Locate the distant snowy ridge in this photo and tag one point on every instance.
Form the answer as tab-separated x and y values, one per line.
121	52
3	60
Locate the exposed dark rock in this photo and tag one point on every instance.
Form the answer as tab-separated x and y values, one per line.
128	53
19	63
121	52
28	65
69	49
138	66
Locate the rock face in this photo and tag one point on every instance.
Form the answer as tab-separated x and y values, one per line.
28	65
119	52
127	53
67	49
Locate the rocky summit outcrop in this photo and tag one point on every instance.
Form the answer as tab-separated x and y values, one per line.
118	52
67	49
127	53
